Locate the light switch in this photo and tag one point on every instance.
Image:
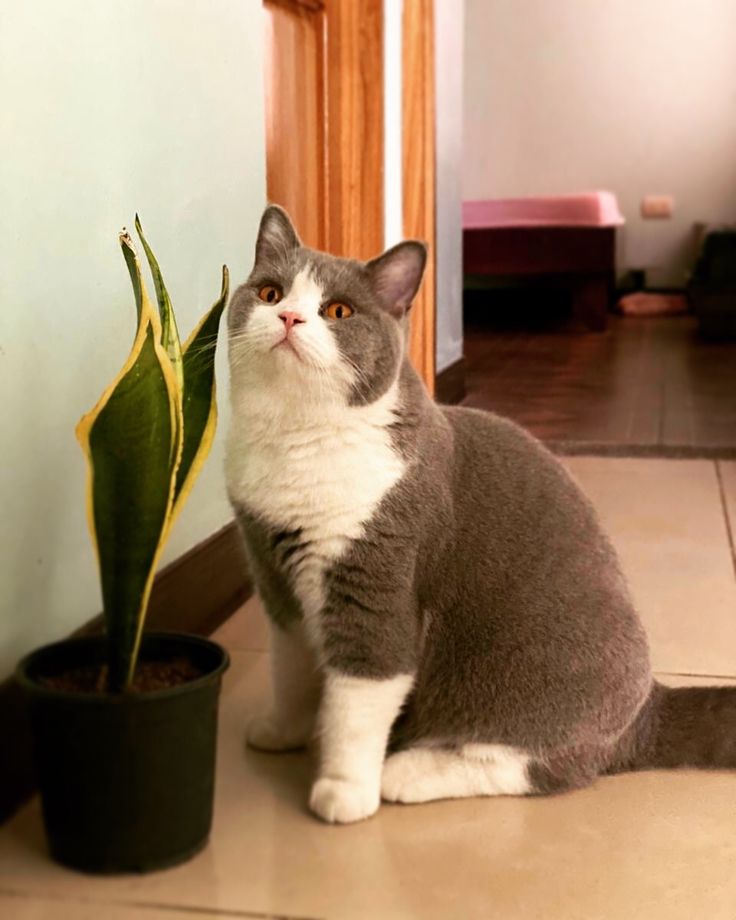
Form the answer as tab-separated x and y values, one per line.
657	206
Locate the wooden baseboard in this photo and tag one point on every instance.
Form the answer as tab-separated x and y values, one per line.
196	593
450	384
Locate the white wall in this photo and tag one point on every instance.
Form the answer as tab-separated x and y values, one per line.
108	108
393	211
449	90
449	116
638	96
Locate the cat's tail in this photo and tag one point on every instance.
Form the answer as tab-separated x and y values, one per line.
682	727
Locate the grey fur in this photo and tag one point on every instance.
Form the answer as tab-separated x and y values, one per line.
269	552
485	573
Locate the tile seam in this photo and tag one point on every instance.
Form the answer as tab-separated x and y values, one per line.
726	516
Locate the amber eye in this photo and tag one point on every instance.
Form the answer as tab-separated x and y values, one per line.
270	293
338	310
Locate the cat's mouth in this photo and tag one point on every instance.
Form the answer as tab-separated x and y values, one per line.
286	344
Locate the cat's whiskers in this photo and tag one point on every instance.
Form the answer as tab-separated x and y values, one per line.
360	375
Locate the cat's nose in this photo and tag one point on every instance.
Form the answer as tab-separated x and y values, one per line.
291	318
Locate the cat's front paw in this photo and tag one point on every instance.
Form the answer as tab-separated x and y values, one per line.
340	801
267	733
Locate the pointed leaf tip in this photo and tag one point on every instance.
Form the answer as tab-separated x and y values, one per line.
169	332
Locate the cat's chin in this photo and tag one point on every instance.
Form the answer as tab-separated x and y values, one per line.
286	347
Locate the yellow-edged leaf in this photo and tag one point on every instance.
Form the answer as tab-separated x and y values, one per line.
199	403
134	270
169	332
132	441
145	442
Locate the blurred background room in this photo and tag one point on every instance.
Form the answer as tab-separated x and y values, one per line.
600	307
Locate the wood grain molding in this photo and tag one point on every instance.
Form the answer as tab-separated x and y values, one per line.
298	6
419	168
294	78
194	594
324	133
199	591
324	120
354	141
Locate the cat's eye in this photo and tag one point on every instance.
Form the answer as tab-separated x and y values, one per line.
269	293
338	310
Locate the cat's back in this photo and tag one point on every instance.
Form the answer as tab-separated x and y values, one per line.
524	588
522	520
493	457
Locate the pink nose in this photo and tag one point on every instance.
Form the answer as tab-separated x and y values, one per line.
291	318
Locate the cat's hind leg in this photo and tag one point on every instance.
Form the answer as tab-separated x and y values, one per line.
290	722
424	774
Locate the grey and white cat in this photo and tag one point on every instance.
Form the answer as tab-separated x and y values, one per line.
437	585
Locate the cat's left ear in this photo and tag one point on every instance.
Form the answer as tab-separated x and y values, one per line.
397	274
277	238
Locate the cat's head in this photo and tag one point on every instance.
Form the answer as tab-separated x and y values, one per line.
322	327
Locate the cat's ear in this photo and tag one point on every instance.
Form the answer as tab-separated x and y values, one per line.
397	274
277	238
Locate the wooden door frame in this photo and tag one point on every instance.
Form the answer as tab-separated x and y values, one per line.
351	177
345	85
354	127
355	130
419	172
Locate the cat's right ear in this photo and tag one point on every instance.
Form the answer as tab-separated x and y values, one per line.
397	274
277	238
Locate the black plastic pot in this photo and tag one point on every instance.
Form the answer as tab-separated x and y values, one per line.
127	781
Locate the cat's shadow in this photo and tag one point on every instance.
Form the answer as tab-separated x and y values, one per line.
289	774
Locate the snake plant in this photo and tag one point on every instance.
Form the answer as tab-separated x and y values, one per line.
145	443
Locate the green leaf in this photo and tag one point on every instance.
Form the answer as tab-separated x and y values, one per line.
130	437
199	404
145	442
132	442
134	270
169	332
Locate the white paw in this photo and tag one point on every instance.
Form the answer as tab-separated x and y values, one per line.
340	801
266	733
406	778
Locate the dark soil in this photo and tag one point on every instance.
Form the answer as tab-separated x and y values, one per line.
149	676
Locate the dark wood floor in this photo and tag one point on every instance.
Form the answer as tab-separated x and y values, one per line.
647	386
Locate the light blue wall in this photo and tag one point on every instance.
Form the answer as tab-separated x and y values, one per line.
108	108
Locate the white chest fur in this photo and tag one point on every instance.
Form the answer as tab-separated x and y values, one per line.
324	473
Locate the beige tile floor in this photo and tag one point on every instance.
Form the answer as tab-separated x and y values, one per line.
648	845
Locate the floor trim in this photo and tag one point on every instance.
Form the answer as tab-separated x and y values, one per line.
449	385
196	593
652	451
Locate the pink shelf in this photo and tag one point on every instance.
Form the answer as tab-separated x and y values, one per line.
589	209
